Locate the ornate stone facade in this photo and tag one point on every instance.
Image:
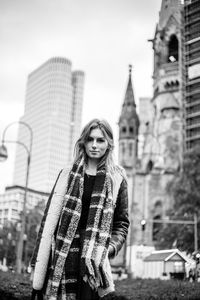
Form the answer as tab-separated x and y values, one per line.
161	153
164	143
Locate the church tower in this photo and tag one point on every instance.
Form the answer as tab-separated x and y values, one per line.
128	129
166	131
128	148
161	155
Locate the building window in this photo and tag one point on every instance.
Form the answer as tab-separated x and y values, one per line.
123	148
131	129
123	129
6	212
130	149
173	49
15	213
149	166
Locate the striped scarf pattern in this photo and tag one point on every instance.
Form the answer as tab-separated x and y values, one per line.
94	253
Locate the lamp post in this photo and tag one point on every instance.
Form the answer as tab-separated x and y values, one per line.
3	157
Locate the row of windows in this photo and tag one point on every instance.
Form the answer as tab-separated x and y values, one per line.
193	109
171	84
193	121
48	74
193	55
192	28
192	144
193	87
193	19
193	132
48	92
190	52
55	61
46	85
4	212
192	100
192	8
192	36
125	129
45	109
193	46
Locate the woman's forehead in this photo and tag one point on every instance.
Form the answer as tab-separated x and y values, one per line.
97	132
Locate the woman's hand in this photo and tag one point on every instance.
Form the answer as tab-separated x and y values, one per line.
111	251
32	274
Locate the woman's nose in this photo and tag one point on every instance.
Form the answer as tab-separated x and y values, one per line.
94	145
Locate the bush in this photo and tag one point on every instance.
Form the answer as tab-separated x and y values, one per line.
18	287
14	286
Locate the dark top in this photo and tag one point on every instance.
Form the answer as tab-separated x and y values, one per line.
87	193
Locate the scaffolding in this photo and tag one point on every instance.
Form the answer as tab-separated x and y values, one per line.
191	31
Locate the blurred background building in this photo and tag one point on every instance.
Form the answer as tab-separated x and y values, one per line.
11	203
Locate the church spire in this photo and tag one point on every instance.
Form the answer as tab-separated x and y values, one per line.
128	127
129	95
129	107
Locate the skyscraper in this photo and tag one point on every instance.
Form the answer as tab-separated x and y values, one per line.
53	109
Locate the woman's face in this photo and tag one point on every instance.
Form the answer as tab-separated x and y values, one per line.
96	145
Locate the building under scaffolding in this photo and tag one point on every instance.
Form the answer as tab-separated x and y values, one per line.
192	68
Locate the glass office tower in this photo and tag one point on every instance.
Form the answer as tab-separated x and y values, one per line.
53	109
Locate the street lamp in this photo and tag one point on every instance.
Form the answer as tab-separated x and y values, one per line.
3	157
143	224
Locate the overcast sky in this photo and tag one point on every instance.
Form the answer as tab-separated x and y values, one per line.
100	37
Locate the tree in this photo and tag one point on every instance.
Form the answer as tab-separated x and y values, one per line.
185	191
8	242
33	220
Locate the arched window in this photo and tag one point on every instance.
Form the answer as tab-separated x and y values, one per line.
123	129
131	129
149	166
173	49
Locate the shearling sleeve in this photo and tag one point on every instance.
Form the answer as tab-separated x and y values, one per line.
120	219
35	251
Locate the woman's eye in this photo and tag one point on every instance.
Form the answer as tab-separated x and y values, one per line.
90	139
100	140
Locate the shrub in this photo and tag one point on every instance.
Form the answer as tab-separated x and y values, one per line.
14	286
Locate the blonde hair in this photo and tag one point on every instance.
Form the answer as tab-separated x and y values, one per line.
79	149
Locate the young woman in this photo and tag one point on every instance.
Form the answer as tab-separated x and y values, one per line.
84	224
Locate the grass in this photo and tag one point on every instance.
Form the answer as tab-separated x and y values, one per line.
155	289
18	287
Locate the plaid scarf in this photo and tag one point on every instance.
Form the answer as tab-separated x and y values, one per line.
94	265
